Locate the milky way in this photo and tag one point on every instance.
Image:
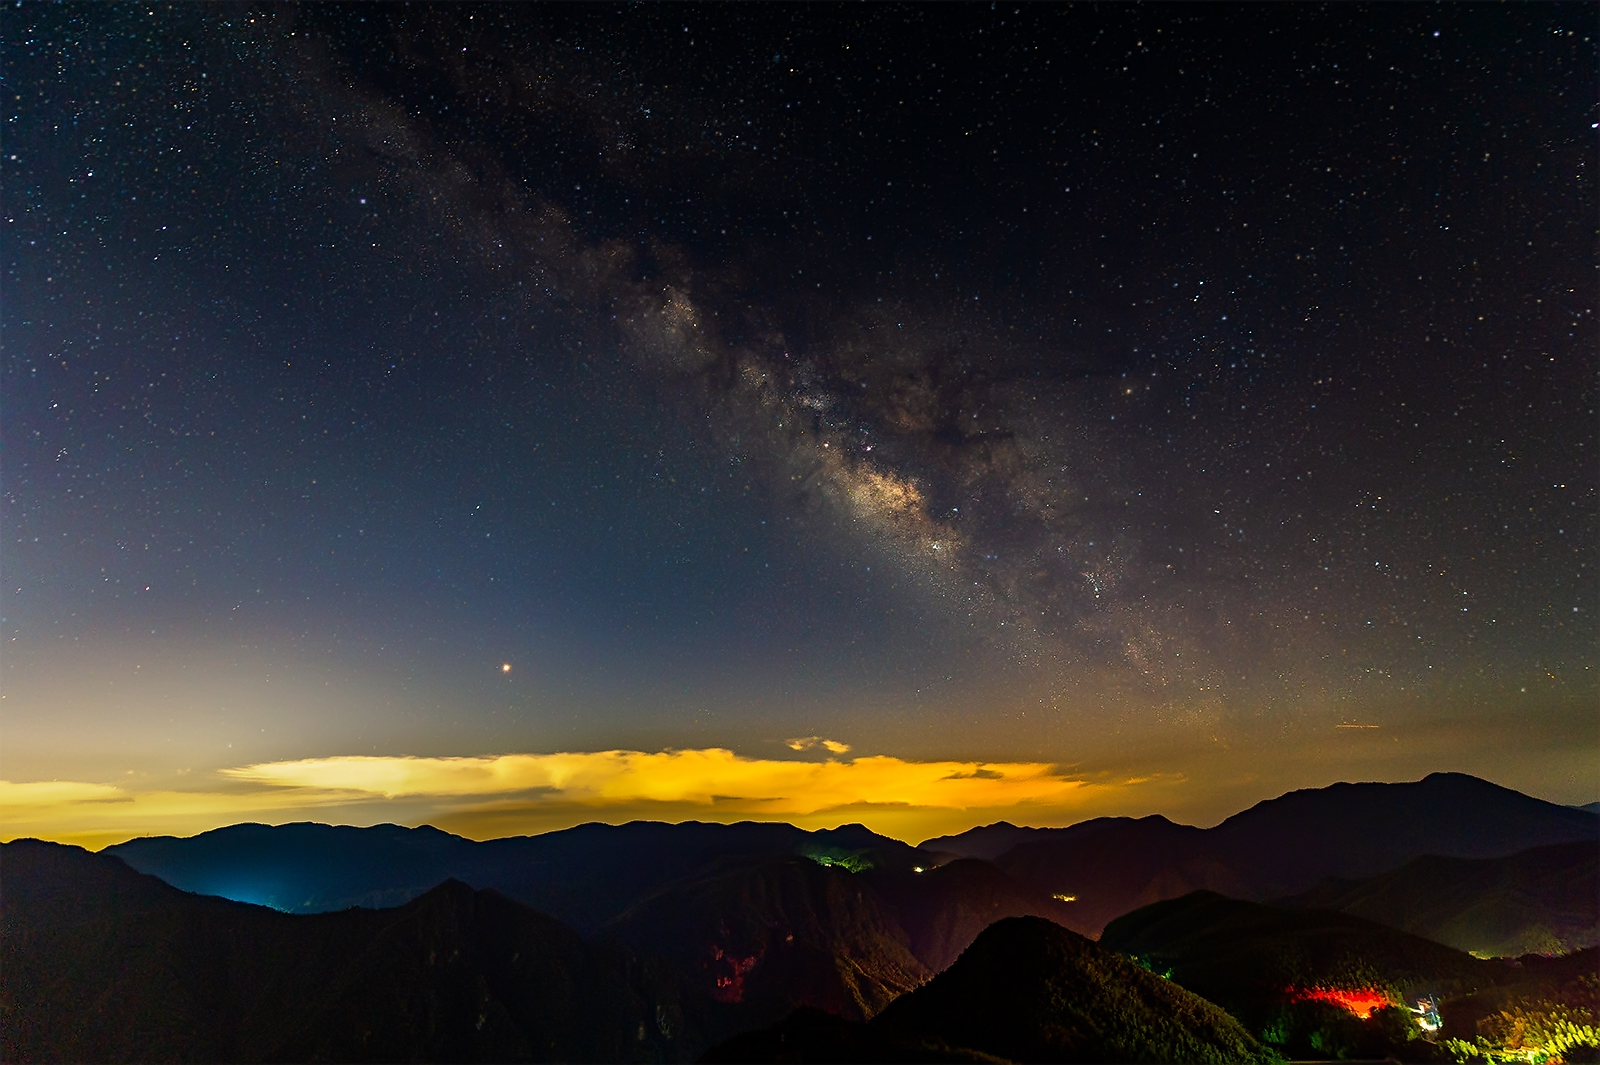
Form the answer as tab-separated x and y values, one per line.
974	447
936	378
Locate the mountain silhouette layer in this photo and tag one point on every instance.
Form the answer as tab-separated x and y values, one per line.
652	941
1025	990
101	963
1544	900
1287	845
659	887
737	944
768	934
942	910
584	875
988	841
1279	971
589	875
1223	948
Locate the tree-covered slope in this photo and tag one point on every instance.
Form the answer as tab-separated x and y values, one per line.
1029	990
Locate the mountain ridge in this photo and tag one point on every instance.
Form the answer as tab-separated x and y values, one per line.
1286	845
1090	872
1025	990
99	962
1541	900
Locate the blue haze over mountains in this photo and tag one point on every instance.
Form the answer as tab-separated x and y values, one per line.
590	874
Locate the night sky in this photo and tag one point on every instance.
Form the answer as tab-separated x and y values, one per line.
511	416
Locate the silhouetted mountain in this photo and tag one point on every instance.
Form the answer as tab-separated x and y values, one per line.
1026	990
584	875
591	874
1029	990
748	921
1288	844
307	868
101	963
987	841
942	910
679	874
771	935
1113	864
1214	945
1542	900
470	975
1270	967
777	933
736	944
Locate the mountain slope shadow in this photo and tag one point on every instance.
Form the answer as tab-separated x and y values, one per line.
762	937
460	974
1026	990
1313	982
100	963
1544	900
944	910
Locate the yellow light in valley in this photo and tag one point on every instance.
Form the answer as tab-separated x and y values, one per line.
505	667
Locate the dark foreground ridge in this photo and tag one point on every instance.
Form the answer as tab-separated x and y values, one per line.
459	973
1300	979
100	963
1026	990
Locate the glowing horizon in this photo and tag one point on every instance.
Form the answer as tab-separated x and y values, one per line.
472	795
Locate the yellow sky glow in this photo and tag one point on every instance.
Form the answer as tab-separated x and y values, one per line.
587	785
695	776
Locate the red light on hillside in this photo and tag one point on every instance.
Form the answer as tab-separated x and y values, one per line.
1360	1001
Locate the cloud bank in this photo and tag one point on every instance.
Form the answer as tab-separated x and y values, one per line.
519	791
706	776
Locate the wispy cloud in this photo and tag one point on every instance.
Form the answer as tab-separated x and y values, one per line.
46	793
805	743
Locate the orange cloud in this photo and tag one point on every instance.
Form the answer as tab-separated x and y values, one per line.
516	792
694	776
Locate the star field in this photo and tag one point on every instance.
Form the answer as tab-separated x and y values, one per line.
1142	390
